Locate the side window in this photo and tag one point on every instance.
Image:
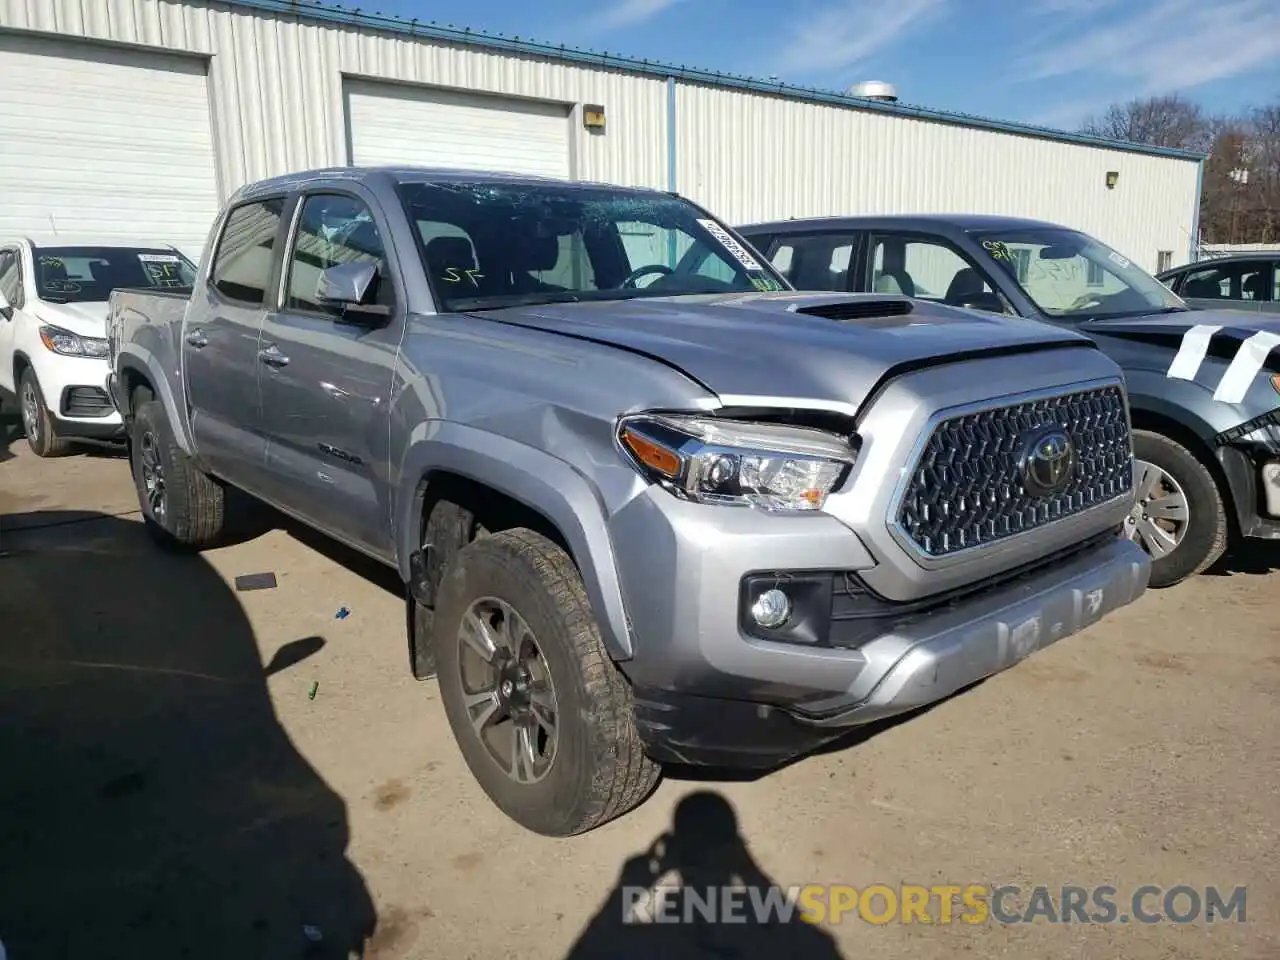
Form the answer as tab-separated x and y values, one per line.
11	277
334	229
1275	281
1230	281
242	267
818	262
926	269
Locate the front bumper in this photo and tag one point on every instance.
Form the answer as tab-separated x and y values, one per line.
1250	461
709	692
74	389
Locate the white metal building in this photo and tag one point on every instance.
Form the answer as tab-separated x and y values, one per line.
136	118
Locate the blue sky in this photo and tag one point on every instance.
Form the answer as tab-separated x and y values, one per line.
1050	62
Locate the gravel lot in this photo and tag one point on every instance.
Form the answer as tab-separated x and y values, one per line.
171	789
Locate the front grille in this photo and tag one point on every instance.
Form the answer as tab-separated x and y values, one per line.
859	614
86	402
967	488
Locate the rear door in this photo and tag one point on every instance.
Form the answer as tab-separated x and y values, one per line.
326	374
220	352
818	262
1245	285
11	287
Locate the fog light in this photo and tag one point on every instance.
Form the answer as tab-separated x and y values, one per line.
771	609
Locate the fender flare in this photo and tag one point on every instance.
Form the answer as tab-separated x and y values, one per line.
142	361
1185	402
536	479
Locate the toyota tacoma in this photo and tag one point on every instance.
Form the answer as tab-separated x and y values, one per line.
643	514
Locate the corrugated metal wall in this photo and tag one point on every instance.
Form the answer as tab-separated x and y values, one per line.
751	157
276	83
276	87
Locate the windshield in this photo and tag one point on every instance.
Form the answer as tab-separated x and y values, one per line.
89	274
487	245
1071	275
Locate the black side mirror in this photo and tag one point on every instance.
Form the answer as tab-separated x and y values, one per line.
343	287
983	300
6	308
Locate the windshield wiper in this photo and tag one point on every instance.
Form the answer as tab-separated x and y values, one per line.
48	298
501	302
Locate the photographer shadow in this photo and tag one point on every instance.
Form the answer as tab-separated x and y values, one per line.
153	804
709	855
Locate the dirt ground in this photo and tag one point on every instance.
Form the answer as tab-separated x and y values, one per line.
169	787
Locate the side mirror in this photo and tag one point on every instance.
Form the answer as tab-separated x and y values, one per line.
6	308
345	286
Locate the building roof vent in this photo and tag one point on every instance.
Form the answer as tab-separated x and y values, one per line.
874	90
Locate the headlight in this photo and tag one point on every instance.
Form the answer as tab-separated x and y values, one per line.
763	465
70	344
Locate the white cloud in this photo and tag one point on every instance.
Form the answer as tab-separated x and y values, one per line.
847	32
1170	45
628	13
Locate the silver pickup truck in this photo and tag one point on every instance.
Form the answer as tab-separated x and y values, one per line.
643	515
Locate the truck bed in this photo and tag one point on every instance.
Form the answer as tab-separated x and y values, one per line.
150	322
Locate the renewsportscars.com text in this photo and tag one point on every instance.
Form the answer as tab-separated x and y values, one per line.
938	904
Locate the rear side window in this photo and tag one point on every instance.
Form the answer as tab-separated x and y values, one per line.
242	268
11	277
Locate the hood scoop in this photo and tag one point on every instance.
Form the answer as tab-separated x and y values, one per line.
859	309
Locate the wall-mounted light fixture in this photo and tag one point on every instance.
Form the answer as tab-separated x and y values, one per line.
1113	177
593	116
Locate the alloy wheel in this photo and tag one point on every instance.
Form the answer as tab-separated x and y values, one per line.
152	466
30	412
507	690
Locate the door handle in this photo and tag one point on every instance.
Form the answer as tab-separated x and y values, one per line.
272	357
197	339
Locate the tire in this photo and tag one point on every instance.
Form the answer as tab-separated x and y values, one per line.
37	421
191	507
1205	520
598	769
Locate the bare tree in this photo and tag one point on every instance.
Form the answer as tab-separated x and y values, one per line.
1169	121
1240	200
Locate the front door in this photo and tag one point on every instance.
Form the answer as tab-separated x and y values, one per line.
929	268
220	345
326	378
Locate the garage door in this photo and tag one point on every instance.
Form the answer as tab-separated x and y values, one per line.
437	128
104	144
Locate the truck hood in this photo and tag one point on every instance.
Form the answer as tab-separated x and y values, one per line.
1160	327
763	345
82	319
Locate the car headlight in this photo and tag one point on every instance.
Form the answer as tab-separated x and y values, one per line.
768	466
71	344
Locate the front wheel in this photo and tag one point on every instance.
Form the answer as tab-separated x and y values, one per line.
37	421
541	714
1178	516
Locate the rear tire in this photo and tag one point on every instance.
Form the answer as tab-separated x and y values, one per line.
181	506
597	769
37	421
1203	525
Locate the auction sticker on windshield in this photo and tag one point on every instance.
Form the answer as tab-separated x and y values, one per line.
735	249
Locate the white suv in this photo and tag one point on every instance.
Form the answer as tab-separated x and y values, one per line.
53	315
